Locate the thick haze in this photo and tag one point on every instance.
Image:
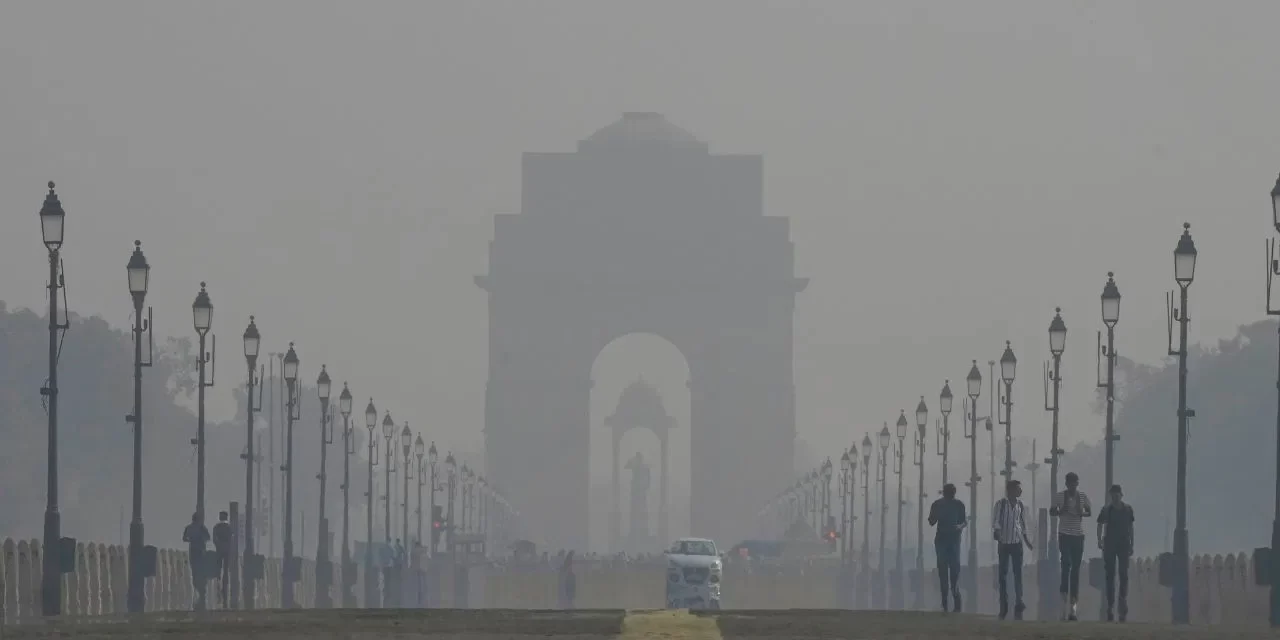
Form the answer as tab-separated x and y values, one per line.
952	172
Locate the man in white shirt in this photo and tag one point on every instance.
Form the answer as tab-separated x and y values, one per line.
1009	527
1071	506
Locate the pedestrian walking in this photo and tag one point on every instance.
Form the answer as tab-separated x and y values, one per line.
568	582
1115	538
1009	528
196	535
1071	506
222	549
948	515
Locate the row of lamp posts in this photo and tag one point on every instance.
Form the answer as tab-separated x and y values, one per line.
59	558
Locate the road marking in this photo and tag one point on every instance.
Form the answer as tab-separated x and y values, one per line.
652	625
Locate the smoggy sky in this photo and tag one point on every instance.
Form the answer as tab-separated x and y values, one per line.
952	172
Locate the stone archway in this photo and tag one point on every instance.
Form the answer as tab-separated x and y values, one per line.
641	230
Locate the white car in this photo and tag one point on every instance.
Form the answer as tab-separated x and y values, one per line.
694	570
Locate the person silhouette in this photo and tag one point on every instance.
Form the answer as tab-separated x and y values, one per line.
222	547
196	535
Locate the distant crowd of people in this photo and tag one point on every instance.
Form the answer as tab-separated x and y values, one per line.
1009	529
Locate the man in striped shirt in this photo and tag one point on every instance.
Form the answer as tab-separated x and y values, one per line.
1009	527
1071	506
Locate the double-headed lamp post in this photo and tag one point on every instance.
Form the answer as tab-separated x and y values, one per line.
292	410
252	341
52	227
845	502
922	424
324	570
1184	270
371	592
139	276
348	448
202	316
973	382
900	428
1008	369
944	430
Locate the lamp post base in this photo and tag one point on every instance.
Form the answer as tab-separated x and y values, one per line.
1181	592
137	598
51	583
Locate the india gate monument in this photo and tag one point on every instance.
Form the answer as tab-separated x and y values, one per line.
642	229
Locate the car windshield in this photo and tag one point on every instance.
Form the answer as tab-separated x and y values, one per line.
694	548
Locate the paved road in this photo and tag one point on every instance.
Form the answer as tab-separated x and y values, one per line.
606	625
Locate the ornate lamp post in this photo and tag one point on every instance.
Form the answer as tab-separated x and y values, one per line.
52	227
324	569
348	448
944	431
922	424
141	559
899	450
252	342
202	314
883	460
432	458
406	444
868	599
371	592
1008	368
451	473
291	573
1184	270
845	470
1053	376
419	450
1110	317
1272	271
388	431
973	383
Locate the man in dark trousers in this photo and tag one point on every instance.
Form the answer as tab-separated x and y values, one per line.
1071	506
222	547
1115	538
1009	527
196	535
948	515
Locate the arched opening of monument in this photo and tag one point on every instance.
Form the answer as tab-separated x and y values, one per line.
640	419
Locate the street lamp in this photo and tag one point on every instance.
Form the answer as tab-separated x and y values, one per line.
141	560
432	458
388	431
1057	344
292	566
406	443
868	598
1273	270
451	473
466	492
252	566
1008	368
922	423
348	448
419	450
371	593
883	441
944	429
973	383
202	316
845	470
52	226
1184	271
324	569
899	450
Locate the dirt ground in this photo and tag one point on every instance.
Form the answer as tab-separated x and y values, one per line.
604	625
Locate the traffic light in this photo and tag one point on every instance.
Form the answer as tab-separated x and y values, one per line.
831	534
437	524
